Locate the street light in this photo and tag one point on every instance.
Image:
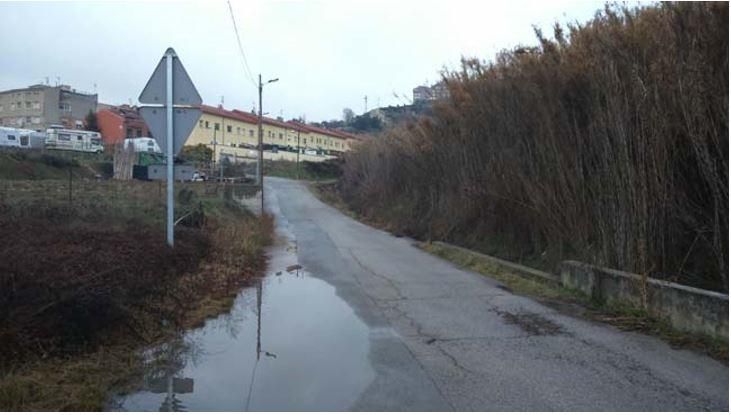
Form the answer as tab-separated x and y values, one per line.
260	167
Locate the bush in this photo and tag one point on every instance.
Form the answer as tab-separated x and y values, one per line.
607	143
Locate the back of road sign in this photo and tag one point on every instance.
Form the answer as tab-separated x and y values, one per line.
184	120
184	92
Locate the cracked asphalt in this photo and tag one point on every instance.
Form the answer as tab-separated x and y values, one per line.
442	338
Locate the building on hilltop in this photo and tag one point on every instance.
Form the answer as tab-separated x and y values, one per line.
120	122
39	106
426	94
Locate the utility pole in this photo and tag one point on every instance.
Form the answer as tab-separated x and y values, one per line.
365	104
260	167
298	153
213	156
260	163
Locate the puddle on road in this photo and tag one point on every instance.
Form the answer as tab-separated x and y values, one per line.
308	351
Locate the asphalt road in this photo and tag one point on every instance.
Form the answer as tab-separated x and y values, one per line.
441	338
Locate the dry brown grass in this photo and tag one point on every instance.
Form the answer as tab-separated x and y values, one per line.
607	143
145	293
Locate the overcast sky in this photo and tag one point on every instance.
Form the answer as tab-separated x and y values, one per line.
327	54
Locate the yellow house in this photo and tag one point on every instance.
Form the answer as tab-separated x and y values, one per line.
234	128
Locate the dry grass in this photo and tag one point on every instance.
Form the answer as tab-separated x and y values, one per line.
607	143
63	372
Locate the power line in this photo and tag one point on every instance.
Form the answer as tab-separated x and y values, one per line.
241	48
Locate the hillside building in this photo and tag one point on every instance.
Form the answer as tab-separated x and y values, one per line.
426	94
40	106
220	129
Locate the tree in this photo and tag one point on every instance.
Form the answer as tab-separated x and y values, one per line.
367	123
348	115
91	121
198	154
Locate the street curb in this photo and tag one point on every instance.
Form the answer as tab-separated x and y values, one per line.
512	267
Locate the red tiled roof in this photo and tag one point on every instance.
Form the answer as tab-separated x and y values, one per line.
253	119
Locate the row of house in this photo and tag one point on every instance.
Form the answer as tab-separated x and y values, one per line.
40	106
235	128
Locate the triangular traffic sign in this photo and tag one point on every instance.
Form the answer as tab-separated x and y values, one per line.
184	92
184	120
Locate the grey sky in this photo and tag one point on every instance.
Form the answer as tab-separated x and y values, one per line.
327	54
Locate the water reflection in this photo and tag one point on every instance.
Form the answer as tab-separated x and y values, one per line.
289	343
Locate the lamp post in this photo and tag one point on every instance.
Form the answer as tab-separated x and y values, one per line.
298	153
260	167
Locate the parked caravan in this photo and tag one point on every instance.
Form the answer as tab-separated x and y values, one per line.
74	140
143	144
20	138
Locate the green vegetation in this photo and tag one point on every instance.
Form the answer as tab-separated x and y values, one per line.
308	170
607	143
575	302
199	154
44	165
86	284
91	122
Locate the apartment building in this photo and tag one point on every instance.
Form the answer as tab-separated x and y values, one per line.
219	127
436	92
39	106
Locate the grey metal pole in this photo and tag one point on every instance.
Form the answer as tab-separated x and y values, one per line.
170	161
260	172
261	151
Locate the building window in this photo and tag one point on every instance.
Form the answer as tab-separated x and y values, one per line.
200	124
251	133
129	133
139	132
36	105
28	104
207	126
217	126
12	106
228	129
280	136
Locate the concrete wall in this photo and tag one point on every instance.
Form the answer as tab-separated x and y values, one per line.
686	308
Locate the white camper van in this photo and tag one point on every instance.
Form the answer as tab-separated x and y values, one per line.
74	140
20	138
142	144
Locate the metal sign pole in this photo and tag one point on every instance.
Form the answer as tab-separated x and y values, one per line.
170	117
171	156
